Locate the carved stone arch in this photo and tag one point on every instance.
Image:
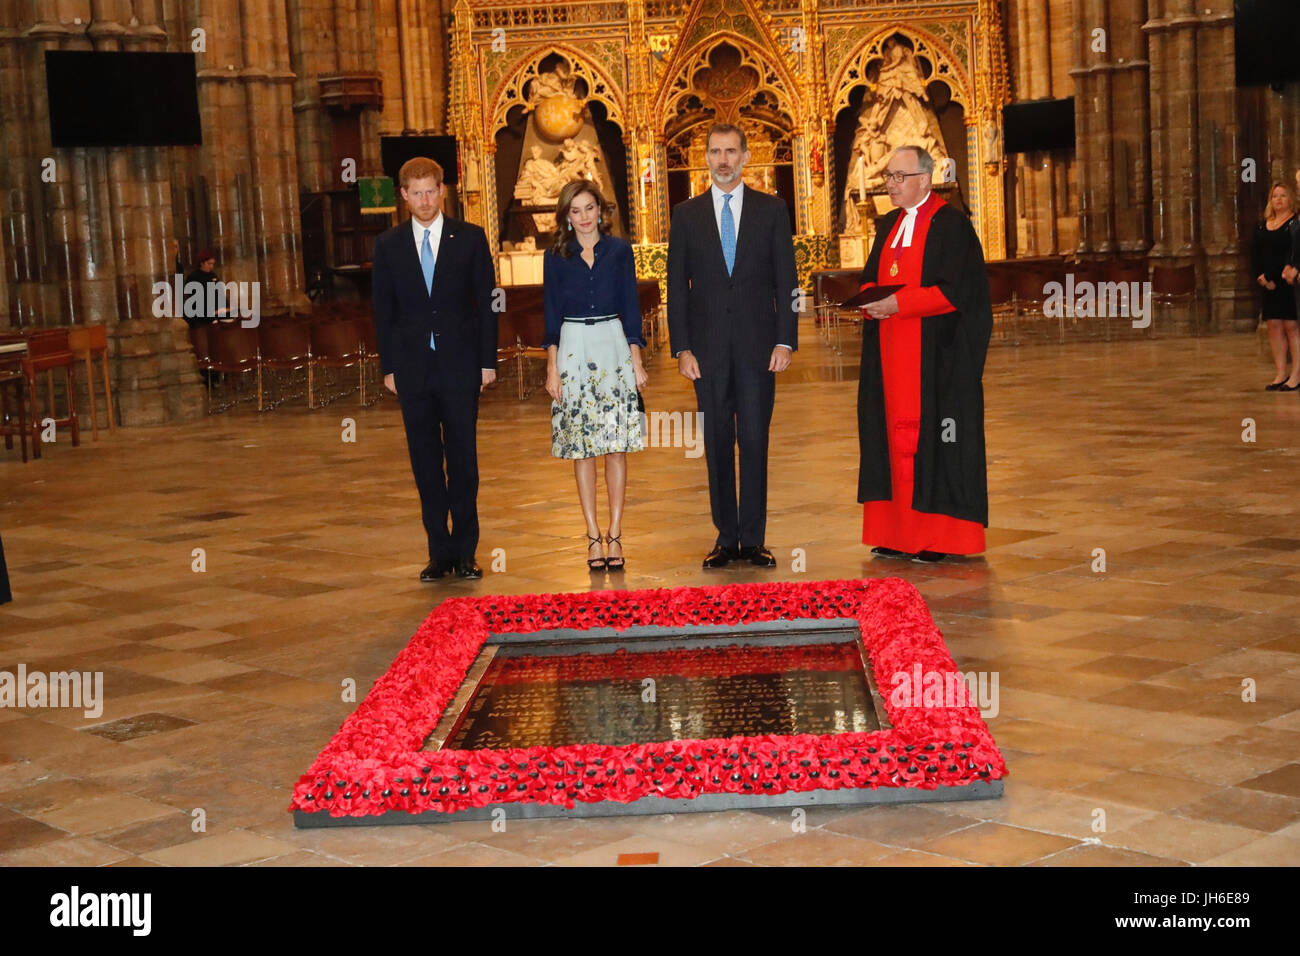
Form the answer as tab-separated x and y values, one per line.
600	85
774	77
946	66
767	102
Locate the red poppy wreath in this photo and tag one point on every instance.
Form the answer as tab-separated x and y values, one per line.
375	764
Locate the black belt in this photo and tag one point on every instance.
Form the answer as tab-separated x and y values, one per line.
593	320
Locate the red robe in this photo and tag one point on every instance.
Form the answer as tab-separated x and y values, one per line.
894	523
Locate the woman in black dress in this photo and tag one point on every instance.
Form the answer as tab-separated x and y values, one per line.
1270	254
1291	272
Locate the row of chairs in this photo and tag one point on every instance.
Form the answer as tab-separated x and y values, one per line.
1021	293
310	352
1020	290
522	327
337	336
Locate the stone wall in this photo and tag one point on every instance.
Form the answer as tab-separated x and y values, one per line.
87	246
282	82
1158	134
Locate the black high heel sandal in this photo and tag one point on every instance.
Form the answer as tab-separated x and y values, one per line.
609	562
596	564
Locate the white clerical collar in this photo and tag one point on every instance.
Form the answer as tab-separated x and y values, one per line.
904	235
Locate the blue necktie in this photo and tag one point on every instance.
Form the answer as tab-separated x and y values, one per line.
728	233
426	266
426	262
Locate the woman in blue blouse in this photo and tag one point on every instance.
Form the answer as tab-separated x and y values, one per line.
593	368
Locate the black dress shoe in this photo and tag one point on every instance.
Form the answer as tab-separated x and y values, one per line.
435	570
929	557
758	556
890	553
468	568
720	557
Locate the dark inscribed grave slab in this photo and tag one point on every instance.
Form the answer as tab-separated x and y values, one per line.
623	697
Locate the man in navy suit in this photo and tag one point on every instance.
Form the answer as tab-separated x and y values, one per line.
732	320
433	283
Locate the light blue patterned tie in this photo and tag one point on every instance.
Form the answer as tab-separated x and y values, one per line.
426	262
728	233
426	266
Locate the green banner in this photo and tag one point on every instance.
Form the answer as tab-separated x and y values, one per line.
376	194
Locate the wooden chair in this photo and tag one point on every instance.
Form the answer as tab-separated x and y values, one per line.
372	372
509	349
200	339
530	324
234	352
647	291
1028	283
1174	286
87	341
1125	272
337	345
829	290
520	331
283	346
1003	299
47	350
12	381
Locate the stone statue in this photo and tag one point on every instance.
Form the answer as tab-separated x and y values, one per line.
558	82
580	160
589	157
898	114
540	180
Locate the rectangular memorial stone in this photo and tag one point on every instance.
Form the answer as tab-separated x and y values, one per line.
624	697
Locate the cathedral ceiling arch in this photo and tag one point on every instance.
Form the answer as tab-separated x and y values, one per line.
511	90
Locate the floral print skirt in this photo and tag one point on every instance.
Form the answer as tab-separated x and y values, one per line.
597	413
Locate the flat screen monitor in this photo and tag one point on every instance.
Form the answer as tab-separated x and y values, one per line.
102	98
1038	125
395	150
1267	38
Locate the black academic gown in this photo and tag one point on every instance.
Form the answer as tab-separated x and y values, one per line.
950	477
5	594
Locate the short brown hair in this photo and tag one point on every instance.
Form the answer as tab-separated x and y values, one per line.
727	128
570	192
419	167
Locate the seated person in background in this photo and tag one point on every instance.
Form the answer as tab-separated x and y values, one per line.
204	273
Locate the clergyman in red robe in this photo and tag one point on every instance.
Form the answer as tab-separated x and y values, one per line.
922	475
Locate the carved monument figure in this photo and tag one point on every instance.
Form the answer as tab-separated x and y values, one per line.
898	114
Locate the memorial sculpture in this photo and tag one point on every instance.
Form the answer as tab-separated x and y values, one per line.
896	113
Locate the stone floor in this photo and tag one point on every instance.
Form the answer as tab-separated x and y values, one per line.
1120	714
